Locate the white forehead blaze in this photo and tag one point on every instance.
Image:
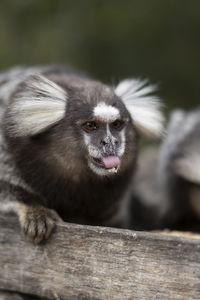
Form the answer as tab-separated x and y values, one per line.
106	113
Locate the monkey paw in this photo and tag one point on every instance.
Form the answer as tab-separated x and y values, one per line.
37	222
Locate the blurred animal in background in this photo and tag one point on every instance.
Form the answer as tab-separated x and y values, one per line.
167	182
68	147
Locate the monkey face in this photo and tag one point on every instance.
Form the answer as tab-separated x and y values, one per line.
101	130
105	143
95	138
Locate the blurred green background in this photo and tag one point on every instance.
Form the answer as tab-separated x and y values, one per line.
109	40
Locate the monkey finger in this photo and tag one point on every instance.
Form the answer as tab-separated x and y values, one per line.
50	225
55	216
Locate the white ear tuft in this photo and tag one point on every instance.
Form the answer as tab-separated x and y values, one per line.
144	108
38	104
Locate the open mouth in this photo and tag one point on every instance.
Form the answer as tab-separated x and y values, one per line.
109	163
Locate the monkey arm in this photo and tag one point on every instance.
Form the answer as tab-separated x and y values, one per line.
36	221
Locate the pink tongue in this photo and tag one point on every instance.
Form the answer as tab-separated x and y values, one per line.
111	161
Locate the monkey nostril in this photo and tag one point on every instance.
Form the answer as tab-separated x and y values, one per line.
116	142
103	142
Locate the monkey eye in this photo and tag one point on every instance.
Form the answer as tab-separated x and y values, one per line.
90	126
117	124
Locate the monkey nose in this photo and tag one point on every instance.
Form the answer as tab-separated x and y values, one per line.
108	146
103	142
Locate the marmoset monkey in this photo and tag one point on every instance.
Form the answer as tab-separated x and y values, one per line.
167	182
68	147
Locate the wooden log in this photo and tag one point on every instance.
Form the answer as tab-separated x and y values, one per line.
83	262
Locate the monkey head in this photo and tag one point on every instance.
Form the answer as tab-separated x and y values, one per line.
80	124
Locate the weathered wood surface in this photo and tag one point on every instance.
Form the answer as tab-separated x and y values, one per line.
82	262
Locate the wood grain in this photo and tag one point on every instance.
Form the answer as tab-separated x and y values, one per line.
83	262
